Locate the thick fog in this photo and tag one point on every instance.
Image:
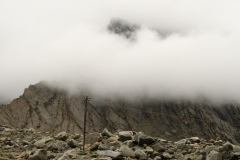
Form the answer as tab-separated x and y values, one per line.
67	42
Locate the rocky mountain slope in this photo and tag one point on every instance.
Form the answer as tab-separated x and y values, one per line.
52	110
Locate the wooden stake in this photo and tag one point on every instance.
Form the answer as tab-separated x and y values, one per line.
85	101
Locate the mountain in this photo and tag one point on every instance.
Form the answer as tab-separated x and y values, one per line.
49	109
123	28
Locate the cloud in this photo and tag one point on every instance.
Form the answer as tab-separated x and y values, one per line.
69	42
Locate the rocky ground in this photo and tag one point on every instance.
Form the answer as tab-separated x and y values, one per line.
122	145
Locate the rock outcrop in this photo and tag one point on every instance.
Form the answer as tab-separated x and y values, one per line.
52	110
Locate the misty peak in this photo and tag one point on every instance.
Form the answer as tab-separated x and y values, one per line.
121	27
129	30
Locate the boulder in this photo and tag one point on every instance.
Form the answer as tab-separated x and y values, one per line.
62	136
106	133
149	150
24	142
157	158
210	148
140	154
158	147
114	145
52	147
94	146
103	147
40	143
142	139
129	143
125	135
113	138
194	140
128	152
236	148
76	136
227	147
72	143
155	154
112	154
214	155
166	155
40	154
28	147
93	137
218	143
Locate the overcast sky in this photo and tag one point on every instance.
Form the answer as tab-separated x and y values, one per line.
68	41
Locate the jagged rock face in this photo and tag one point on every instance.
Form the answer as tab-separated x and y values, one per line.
52	110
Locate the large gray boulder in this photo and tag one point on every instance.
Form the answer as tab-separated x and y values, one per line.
210	148
227	147
103	147
236	148
129	143
114	145
52	147
226	150
62	136
109	153
157	158
94	146
40	154
140	154
125	135
158	147
40	143
111	139
214	155
142	139
194	140
127	152
181	142
106	133
72	143
93	137
166	155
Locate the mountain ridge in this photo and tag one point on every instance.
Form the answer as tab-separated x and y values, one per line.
53	110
